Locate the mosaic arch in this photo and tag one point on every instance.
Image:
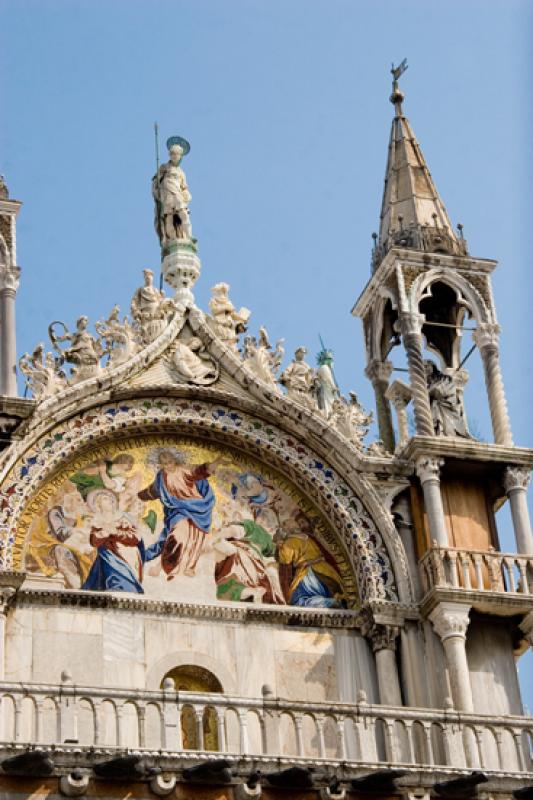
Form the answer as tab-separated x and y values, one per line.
244	532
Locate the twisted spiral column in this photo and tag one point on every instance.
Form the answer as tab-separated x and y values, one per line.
411	325
486	338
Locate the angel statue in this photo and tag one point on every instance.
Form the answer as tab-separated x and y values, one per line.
351	419
84	351
261	359
118	337
42	373
171	195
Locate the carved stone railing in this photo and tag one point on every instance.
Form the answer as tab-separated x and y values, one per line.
182	724
477	570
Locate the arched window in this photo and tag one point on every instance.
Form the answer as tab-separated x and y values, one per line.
190	678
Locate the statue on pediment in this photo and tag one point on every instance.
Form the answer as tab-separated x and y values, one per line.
118	337
300	380
172	196
227	322
261	358
150	309
83	352
42	373
190	363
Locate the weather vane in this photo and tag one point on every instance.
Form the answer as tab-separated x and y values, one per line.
398	71
396	96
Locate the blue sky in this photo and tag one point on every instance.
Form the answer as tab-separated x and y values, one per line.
286	106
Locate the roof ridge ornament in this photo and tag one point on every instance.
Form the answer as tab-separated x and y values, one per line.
397	96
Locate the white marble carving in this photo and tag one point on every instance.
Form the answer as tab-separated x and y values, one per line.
190	363
150	309
42	373
300	380
172	195
351	419
83	352
118	336
226	321
261	359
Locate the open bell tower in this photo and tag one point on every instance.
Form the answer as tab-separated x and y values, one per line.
425	290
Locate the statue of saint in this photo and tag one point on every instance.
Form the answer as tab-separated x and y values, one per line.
150	309
227	322
446	408
299	380
171	195
326	387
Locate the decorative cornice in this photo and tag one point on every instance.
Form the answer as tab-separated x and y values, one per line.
467	450
236	612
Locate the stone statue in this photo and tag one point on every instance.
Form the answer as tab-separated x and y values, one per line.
84	351
327	390
378	450
118	338
351	419
4	191
446	408
42	373
227	322
261	359
172	196
191	364
299	380
150	309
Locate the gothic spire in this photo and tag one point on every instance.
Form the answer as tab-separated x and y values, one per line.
412	213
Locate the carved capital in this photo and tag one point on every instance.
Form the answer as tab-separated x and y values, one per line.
428	468
486	335
526	626
516	478
399	394
7	595
382	636
379	371
411	323
450	619
9	279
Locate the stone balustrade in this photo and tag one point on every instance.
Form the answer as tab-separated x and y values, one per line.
180	724
478	570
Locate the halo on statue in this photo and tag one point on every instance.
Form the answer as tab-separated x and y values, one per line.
183	143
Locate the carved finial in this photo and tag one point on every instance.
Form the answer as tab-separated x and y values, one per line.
397	96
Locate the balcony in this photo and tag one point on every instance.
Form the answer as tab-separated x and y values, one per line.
490	578
80	725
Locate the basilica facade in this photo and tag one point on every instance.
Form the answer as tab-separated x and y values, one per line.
211	585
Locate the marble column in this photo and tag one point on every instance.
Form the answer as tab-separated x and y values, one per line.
450	621
486	338
428	471
9	281
379	373
411	328
400	395
383	638
515	482
6	595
